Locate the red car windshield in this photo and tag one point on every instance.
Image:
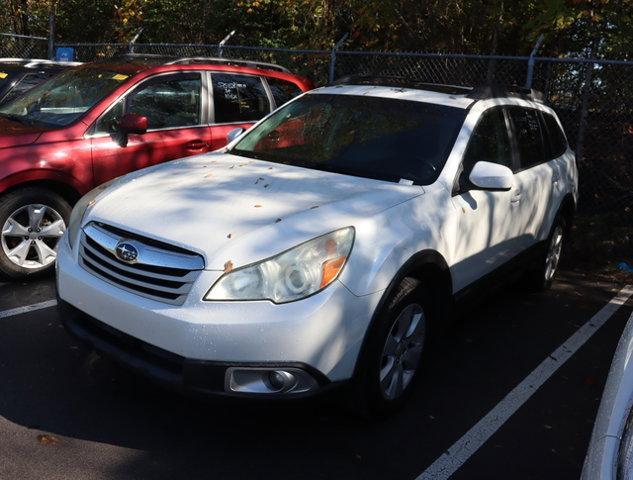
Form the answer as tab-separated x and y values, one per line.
63	99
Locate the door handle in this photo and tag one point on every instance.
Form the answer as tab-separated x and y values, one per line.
196	145
516	196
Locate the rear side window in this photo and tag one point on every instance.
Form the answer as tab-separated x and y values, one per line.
556	137
239	98
282	90
527	131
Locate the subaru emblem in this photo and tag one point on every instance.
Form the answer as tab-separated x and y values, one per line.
126	252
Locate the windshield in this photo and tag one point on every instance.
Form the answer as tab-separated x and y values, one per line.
63	99
382	138
7	76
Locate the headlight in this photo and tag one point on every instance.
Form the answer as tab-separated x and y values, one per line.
77	215
291	275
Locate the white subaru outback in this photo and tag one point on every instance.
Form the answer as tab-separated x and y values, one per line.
319	247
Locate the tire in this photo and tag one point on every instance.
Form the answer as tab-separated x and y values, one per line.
374	392
541	277
32	220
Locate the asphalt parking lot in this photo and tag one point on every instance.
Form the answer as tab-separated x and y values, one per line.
66	413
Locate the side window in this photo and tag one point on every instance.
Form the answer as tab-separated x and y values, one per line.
529	140
239	98
557	141
489	142
27	82
168	101
282	90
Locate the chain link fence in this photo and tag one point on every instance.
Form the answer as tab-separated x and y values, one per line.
593	98
22	46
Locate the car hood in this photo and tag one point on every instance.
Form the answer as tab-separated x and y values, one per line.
227	207
15	134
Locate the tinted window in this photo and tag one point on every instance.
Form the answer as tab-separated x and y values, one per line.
168	101
282	91
25	84
239	98
557	141
394	140
527	131
489	142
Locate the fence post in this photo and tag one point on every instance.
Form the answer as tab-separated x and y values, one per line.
223	42
583	112
530	68
51	33
331	71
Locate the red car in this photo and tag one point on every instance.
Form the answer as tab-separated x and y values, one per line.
96	122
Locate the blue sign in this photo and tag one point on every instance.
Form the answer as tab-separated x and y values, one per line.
65	54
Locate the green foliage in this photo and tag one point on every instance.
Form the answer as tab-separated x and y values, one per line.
596	27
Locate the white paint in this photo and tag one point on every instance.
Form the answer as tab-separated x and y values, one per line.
28	308
471	441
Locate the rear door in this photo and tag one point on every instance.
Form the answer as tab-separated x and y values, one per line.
176	107
238	102
535	175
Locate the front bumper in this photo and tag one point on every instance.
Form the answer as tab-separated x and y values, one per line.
191	346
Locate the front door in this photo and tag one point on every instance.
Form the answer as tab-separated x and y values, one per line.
489	232
174	106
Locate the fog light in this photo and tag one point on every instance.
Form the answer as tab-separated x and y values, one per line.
281	380
258	380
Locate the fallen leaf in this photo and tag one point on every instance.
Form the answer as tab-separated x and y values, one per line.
278	220
258	206
229	235
47	439
208	175
267	185
228	266
312	208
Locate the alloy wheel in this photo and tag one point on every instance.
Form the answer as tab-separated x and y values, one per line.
553	253
30	236
402	351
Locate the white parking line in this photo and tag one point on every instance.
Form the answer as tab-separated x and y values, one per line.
451	460
27	308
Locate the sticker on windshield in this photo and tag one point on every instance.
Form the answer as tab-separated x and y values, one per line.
3	75
405	181
120	77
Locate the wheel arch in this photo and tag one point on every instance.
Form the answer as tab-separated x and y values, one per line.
68	187
431	269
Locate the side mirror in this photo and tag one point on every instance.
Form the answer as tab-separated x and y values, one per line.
233	134
491	176
133	123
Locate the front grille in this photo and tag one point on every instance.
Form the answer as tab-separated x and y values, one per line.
160	272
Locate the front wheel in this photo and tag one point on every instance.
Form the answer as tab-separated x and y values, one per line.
33	220
394	350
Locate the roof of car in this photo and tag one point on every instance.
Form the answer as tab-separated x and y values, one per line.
17	65
401	88
399	93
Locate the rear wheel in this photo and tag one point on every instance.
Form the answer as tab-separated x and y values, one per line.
32	220
541	277
394	351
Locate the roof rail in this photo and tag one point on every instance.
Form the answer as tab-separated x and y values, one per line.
401	82
229	61
495	90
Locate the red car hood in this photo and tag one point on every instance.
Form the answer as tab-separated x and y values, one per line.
14	134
